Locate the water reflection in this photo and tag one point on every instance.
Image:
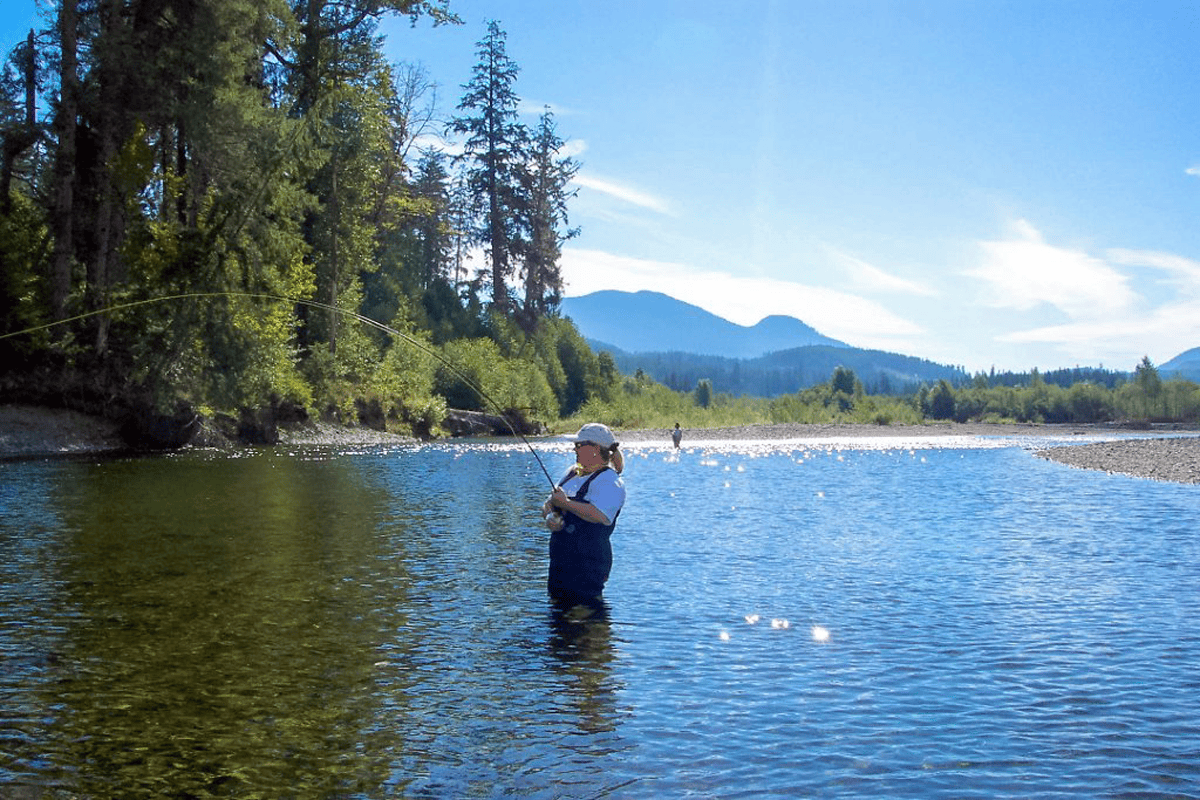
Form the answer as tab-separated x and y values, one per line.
375	625
581	639
207	639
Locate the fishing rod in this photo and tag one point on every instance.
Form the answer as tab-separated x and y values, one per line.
412	340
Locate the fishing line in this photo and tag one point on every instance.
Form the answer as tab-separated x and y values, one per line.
417	343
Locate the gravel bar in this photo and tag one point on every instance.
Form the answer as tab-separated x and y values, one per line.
1175	459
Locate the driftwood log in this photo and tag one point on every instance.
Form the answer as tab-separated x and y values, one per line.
458	422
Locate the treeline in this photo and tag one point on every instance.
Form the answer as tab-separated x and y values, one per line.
782	372
1145	397
640	402
259	165
1066	377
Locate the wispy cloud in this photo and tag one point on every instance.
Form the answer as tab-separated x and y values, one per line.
626	194
1023	272
744	300
869	278
1162	333
1193	171
1105	316
432	141
1182	273
536	108
573	148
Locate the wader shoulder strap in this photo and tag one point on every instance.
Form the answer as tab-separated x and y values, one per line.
582	492
583	489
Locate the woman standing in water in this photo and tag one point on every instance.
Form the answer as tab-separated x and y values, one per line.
581	514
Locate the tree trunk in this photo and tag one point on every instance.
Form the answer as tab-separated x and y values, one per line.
24	137
99	266
64	164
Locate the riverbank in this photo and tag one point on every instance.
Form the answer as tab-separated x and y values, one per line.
1176	460
31	431
34	432
1161	452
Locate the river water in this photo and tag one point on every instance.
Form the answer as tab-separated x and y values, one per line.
869	618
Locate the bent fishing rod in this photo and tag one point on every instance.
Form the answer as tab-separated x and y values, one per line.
404	337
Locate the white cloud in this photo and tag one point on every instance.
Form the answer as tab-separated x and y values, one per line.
573	148
1107	319
1183	273
625	194
1024	272
432	141
1193	171
744	300
870	278
536	108
1162	334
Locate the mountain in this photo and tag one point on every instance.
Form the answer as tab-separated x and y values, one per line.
679	344
1184	365
784	371
646	322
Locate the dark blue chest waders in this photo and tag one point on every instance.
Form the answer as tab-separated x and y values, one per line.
580	553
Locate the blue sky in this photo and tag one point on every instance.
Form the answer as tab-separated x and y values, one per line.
1012	184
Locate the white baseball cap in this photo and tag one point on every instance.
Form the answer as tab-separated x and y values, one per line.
596	433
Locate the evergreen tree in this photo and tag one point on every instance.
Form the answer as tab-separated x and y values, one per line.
222	150
432	186
545	179
337	81
1150	386
167	178
63	192
322	23
845	381
19	130
941	400
493	153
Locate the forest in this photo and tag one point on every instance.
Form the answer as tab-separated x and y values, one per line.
222	210
201	200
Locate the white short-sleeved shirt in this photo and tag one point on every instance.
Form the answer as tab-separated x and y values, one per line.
606	492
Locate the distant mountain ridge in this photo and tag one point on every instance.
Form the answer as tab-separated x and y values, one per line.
679	344
1184	365
784	371
652	322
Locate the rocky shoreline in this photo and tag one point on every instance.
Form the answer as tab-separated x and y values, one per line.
1163	452
37	432
1176	460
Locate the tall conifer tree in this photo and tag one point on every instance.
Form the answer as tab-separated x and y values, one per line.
493	153
545	180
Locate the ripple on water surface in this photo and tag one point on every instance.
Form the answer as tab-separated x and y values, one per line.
918	618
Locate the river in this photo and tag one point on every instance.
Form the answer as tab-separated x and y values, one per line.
930	618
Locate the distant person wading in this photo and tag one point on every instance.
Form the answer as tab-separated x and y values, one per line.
581	514
676	436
